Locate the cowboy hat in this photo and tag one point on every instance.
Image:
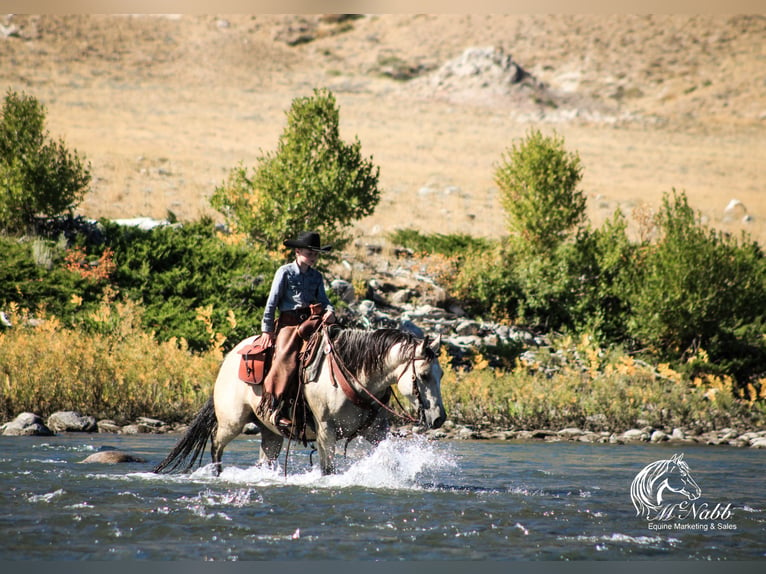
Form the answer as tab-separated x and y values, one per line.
307	240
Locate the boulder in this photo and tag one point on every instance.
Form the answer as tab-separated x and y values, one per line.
108	426
678	434
111	456
635	435
71	421
344	290
570	433
658	436
136	429
26	424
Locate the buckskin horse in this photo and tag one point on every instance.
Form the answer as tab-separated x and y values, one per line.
348	397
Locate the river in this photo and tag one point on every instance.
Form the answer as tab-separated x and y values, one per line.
407	499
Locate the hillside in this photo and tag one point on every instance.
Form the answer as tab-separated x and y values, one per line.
164	106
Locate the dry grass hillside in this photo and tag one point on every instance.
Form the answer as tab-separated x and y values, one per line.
164	106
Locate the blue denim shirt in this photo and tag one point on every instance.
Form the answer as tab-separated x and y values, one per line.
292	290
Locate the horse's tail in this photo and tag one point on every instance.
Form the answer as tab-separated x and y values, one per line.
190	448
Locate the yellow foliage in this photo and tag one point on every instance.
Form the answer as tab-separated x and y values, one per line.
119	373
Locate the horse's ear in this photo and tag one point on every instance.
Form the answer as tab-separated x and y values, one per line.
435	344
677	457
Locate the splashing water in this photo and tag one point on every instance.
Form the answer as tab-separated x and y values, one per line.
396	463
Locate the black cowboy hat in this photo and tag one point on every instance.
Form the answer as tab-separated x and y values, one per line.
307	240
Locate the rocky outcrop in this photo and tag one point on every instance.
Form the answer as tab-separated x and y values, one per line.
400	295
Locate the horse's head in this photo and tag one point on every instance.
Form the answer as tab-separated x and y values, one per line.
420	382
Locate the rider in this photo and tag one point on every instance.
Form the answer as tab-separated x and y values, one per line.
296	290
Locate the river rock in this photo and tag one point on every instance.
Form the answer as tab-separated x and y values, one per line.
137	429
26	424
678	434
635	435
108	426
467	433
111	456
71	421
758	443
542	433
658	436
590	437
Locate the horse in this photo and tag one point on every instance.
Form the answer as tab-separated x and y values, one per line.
650	485
348	398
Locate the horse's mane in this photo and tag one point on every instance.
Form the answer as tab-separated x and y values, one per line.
365	351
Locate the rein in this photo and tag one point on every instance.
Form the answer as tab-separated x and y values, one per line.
340	375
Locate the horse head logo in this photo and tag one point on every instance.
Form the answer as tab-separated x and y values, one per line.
658	480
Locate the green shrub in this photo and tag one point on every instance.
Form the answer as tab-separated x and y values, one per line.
313	181
485	284
537	180
46	283
697	288
38	176
182	272
457	244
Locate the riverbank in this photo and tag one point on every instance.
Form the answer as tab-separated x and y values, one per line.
29	424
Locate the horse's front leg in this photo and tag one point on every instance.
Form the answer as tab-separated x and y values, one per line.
271	445
326	439
378	430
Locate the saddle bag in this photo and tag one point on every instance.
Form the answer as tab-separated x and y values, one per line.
256	361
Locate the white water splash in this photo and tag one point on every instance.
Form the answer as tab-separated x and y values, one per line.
619	538
397	463
48	497
237	498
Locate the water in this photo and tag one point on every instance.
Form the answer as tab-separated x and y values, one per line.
406	499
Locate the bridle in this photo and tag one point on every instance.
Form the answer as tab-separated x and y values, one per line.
341	376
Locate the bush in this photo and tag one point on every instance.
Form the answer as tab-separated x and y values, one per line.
109	368
537	180
579	286
191	282
33	276
485	284
313	181
453	244
696	288
37	176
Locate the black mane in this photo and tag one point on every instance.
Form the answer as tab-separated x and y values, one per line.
365	351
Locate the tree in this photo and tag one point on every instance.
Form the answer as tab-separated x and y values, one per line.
314	181
696	287
538	180
38	176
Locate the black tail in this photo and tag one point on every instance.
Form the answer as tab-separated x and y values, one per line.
190	448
